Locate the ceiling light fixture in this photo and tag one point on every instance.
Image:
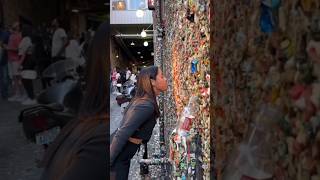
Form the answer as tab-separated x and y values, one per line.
139	52
152	53
141	57
143	34
144	31
75	10
117	56
132	44
145	43
139	13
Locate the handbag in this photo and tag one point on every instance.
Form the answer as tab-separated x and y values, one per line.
144	168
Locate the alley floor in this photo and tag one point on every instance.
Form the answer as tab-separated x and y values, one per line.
17	155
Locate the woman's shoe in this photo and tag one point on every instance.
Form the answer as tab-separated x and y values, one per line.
13	98
29	101
22	98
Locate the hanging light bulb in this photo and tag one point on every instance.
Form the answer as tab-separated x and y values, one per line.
132	44
143	34
140	13
152	53
145	43
75	10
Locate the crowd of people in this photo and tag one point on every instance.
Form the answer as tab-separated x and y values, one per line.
119	77
26	51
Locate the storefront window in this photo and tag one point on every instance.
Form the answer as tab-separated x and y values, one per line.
119	5
129	5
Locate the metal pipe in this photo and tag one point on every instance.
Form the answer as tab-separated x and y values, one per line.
159	161
134	36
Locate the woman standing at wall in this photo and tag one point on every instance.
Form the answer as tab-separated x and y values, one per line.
138	121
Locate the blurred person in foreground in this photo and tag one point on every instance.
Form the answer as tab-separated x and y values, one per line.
80	150
14	63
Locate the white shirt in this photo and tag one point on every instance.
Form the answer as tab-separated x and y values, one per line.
25	46
128	74
57	41
133	78
73	50
118	76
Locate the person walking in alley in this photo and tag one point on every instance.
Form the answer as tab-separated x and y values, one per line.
26	58
80	150
13	62
4	76
114	80
128	73
138	121
59	41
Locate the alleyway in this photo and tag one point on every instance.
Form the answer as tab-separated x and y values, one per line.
17	155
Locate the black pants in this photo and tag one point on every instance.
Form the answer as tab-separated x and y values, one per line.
121	166
28	64
28	86
43	64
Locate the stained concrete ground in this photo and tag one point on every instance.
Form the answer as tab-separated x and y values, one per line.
17	155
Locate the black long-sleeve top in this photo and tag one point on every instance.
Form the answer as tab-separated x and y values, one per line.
138	122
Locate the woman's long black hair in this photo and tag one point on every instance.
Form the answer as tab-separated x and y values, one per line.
96	96
144	87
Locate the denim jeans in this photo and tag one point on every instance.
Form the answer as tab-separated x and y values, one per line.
4	81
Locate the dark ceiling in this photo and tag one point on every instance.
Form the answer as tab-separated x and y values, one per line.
132	51
90	6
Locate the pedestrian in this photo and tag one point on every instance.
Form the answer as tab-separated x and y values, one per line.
14	64
73	51
28	64
59	41
80	150
133	78
4	76
41	53
128	73
138	121
114	79
118	77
